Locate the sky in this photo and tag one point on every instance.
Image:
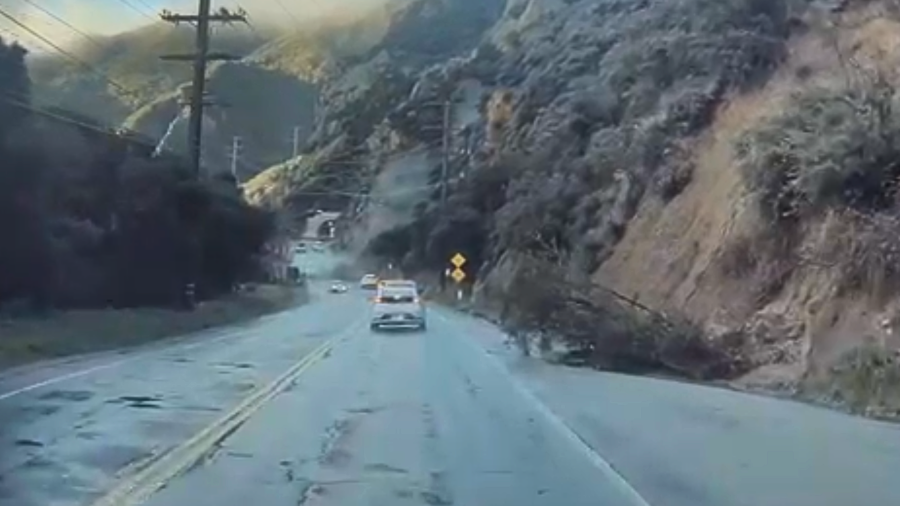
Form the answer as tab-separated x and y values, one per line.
107	17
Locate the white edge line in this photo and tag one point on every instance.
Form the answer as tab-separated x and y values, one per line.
183	346
64	377
565	429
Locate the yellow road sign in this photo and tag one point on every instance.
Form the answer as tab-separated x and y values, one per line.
458	261
458	275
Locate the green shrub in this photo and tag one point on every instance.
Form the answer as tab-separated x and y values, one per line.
830	149
603	329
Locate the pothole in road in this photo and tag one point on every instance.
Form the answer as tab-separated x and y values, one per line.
67	395
29	443
385	468
235	365
332	452
139	401
365	411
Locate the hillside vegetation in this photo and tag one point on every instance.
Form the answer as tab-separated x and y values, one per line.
705	188
131	60
91	220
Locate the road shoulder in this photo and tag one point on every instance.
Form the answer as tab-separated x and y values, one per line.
668	439
73	333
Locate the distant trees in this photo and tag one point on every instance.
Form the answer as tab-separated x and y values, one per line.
86	221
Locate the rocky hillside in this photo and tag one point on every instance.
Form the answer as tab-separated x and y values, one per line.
725	166
360	92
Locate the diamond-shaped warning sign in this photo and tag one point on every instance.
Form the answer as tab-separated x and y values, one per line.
458	261
458	275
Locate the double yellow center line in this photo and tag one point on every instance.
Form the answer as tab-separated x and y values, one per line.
138	487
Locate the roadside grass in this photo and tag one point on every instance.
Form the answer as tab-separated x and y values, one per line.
865	381
64	333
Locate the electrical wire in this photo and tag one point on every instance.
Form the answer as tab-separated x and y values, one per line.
128	3
65	23
288	11
145	4
9	99
65	53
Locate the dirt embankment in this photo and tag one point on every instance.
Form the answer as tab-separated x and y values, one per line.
709	254
24	340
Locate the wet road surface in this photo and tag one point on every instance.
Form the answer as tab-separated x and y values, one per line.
446	417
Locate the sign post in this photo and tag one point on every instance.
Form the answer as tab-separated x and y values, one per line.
458	275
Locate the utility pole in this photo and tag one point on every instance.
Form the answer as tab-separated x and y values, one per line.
445	153
235	153
200	59
446	128
295	142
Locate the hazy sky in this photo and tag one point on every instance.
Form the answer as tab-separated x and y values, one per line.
113	16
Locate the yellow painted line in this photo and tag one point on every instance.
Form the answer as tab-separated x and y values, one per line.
139	487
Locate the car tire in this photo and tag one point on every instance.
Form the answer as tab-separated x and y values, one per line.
374	327
423	326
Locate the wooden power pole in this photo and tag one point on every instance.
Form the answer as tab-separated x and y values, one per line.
235	156
445	153
201	21
446	141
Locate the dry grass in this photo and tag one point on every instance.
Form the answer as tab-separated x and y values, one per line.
606	330
865	248
865	381
26	340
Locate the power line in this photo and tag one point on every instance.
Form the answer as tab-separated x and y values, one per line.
289	13
146	5
50	114
62	51
128	3
64	22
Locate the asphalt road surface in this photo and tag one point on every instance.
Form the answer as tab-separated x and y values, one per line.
309	407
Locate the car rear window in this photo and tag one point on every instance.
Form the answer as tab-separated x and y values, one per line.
392	297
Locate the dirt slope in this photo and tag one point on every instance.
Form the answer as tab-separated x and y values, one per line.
675	256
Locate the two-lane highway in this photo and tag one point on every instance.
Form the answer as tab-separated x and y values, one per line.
246	417
309	407
397	419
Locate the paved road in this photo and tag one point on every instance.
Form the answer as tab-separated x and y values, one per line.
440	418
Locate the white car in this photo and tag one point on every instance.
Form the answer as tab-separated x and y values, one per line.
337	287
369	282
398	307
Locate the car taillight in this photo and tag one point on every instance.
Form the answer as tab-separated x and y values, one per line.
378	300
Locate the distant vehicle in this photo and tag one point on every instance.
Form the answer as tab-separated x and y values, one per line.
338	287
369	282
398	307
301	248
